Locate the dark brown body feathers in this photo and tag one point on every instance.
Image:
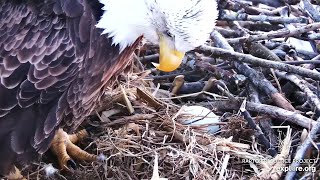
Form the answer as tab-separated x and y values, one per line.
53	65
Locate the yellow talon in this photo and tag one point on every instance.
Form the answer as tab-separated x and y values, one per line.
64	148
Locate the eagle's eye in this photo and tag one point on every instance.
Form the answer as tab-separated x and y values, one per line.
169	34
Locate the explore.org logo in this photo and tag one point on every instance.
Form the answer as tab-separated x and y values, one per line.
306	168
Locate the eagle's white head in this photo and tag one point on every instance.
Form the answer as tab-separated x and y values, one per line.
177	26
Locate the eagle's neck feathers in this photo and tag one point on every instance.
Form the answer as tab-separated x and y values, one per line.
125	21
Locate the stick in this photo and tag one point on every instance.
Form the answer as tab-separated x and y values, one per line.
277	34
259	134
272	111
227	16
232	56
302	84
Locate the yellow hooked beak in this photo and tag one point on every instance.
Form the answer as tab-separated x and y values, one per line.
169	59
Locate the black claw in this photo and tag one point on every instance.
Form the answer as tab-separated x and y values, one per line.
71	164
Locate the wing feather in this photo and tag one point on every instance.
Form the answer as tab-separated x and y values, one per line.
16	77
10	63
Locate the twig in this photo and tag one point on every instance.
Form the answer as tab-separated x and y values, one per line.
260	135
177	84
227	93
240	5
312	12
272	111
218	72
224	166
256	78
227	32
132	118
282	114
127	101
232	16
302	62
188	87
232	56
313	99
277	34
149	58
259	50
172	76
149	98
269	3
252	93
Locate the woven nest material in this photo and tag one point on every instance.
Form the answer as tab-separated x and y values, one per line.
141	137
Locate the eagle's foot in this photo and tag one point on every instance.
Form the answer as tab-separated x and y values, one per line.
15	174
64	148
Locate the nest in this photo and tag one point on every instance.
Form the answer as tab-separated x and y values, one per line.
140	133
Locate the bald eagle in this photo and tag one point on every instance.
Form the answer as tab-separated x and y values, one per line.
56	57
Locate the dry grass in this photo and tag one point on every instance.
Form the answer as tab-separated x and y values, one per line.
131	142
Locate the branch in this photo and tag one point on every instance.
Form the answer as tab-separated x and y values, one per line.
272	111
232	56
232	16
256	78
312	12
302	84
277	34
